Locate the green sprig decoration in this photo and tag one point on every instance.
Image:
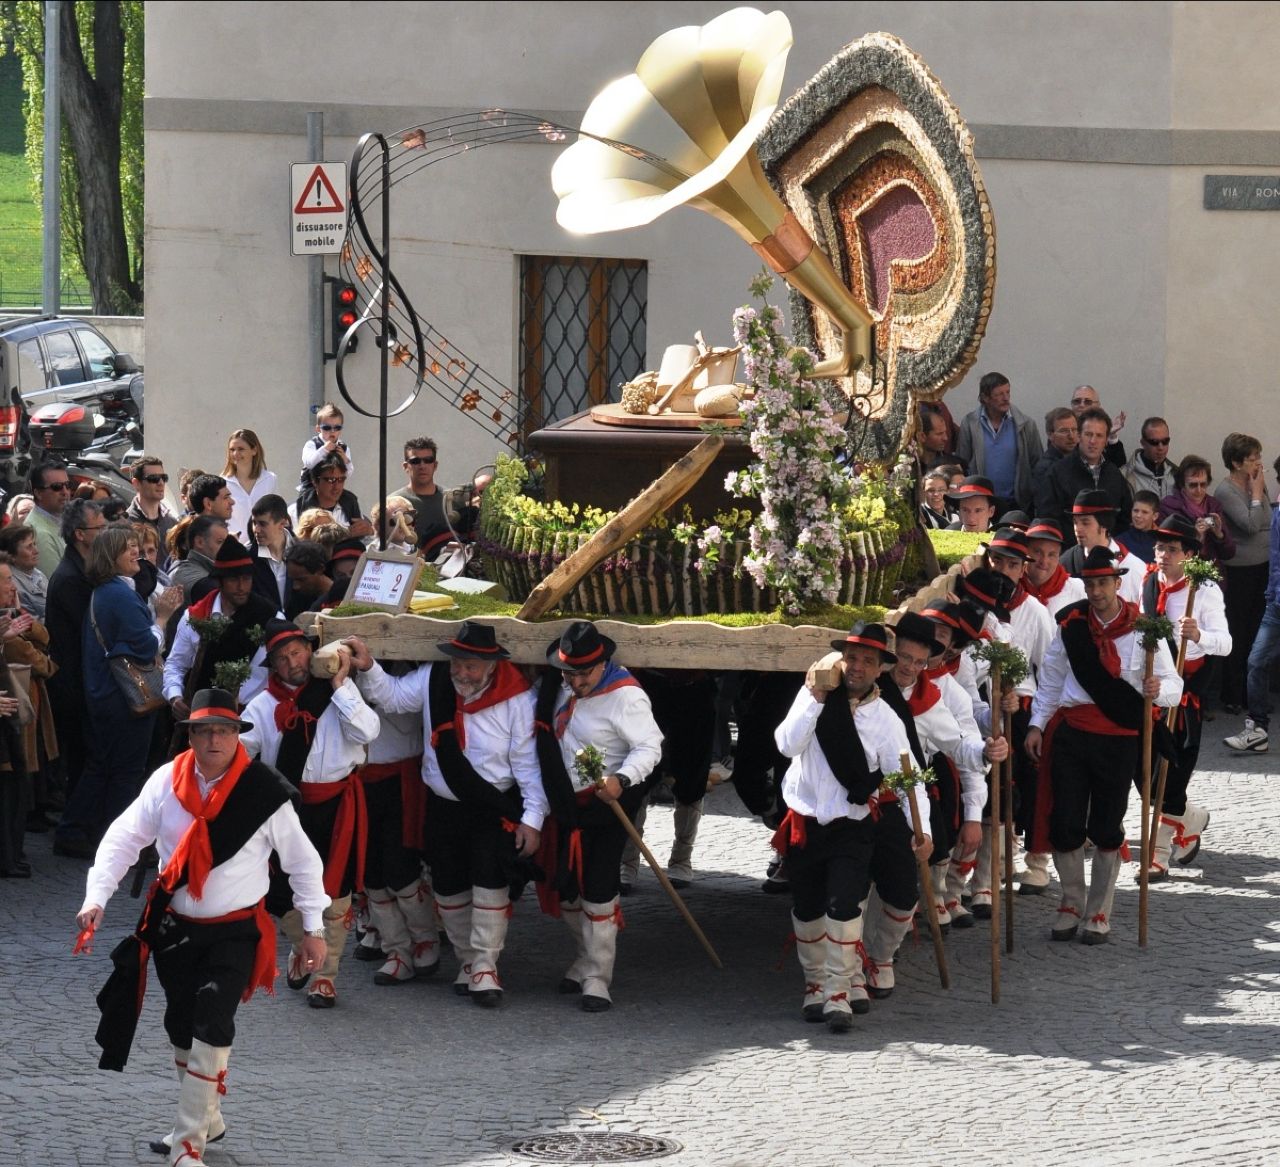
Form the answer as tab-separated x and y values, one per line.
1154	629
1201	571
210	629
589	763
1012	662
231	674
902	784
255	635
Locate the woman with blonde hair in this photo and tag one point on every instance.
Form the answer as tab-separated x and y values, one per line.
248	479
400	533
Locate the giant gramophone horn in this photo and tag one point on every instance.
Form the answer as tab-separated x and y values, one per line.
682	129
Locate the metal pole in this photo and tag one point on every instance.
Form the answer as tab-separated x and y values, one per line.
315	289
51	296
384	352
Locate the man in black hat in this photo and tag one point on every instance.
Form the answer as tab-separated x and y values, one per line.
975	502
1093	522
1045	577
225	625
1164	593
1085	724
589	700
960	759
485	802
215	817
842	739
314	730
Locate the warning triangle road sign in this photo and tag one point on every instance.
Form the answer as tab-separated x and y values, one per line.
318	196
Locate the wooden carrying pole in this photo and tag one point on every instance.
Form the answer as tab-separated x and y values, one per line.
926	883
1171	720
996	840
672	484
1007	801
662	878
1144	876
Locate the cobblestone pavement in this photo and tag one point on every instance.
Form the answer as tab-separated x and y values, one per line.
1095	1055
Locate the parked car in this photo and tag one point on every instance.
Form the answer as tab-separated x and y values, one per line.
62	360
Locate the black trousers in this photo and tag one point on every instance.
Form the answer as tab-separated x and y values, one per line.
831	874
1186	736
603	841
1091	779
387	862
466	847
893	863
946	809
758	766
203	969
1245	601
686	714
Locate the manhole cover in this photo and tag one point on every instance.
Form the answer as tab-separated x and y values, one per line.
595	1147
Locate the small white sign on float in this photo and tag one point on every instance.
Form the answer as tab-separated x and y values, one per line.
318	198
384	579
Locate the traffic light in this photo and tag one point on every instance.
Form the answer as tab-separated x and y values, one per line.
343	313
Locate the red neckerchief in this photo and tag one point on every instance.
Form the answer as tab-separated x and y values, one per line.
202	609
508	681
1020	594
287	712
1105	637
613	677
194	851
1166	592
924	696
943	670
1051	587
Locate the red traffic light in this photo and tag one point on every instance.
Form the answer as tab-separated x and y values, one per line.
346	294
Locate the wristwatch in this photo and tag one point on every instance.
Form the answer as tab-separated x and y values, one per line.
315	933
623	781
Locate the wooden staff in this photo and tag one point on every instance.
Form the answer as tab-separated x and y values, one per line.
662	876
995	841
1145	874
1171	719
1008	835
926	883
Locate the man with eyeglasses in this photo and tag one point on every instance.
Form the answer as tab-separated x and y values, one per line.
1086	397
327	490
434	528
50	487
68	601
1151	468
148	505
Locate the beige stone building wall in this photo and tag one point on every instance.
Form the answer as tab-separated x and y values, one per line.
1094	123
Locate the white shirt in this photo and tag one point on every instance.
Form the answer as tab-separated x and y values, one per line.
940	732
1059	688
810	787
400	737
278	569
339	515
186	643
499	738
242	501
157	815
1211	618
341	733
313	452
1131	584
1072	590
620	725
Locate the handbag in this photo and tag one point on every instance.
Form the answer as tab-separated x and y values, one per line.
454	559
141	682
20	675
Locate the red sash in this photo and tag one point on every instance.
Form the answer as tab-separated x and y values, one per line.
350	827
413	794
264	958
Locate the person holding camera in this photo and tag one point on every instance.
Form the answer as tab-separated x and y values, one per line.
1191	499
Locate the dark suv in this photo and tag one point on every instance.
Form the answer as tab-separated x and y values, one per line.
50	359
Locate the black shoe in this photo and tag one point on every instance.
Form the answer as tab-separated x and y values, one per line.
980	911
461	989
860	1005
838	1021
814	1012
1092	938
73	848
877	994
590	1004
363	952
773	886
1063	934
160	1147
568	986
963	920
486	998
1031	889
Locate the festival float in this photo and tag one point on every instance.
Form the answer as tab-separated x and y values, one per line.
770	481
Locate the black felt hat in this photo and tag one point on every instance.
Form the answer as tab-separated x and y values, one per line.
474	642
580	646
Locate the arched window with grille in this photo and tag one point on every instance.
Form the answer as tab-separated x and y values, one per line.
582	333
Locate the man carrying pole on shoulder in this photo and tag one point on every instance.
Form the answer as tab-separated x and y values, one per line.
1085	725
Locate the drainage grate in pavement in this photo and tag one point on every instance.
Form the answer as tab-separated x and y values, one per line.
595	1147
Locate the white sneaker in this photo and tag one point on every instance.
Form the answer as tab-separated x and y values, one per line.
1251	739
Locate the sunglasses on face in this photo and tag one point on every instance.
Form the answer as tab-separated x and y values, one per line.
332	481
1156	441
1082	401
419	461
155	479
331	429
55	486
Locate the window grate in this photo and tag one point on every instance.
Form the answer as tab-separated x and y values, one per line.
582	333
